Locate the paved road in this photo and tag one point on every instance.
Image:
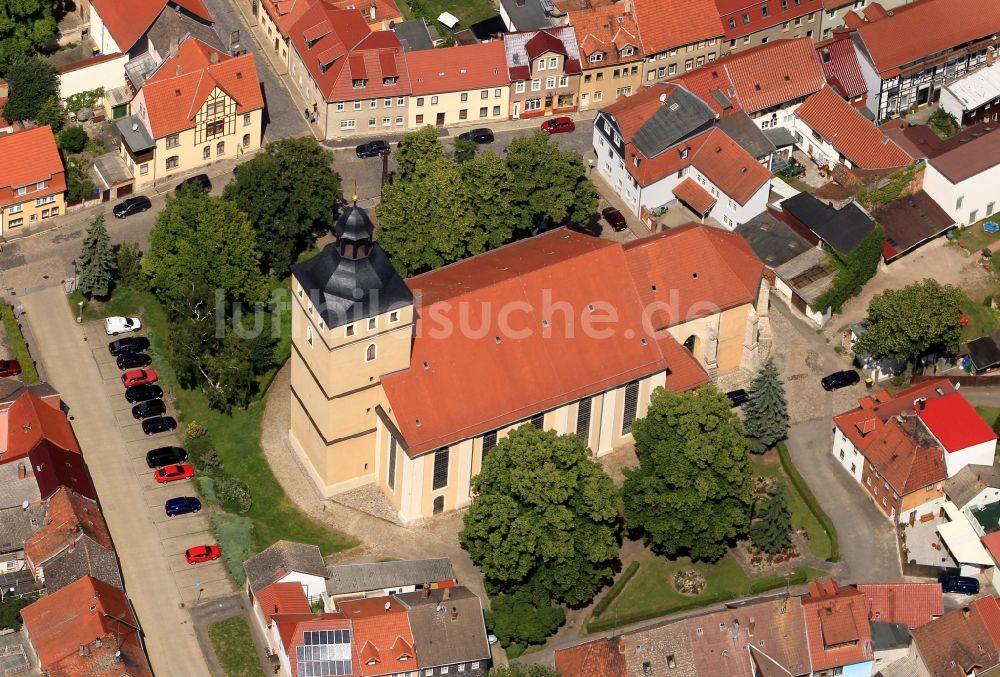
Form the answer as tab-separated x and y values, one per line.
61	345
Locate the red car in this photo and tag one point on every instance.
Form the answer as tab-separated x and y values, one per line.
138	377
173	473
10	367
557	125
615	219
202	553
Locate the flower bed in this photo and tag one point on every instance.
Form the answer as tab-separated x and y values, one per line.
689	582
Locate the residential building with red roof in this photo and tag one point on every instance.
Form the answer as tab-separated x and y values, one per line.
556	377
545	70
462	85
661	147
975	97
837	13
678	36
902	448
599	658
961	642
354	81
86	628
121	27
837	628
32	179
912	604
611	53
831	132
963	179
200	106
749	23
906	54
840	66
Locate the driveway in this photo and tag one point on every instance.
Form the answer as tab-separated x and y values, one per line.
147	551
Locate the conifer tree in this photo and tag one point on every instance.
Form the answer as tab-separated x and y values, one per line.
766	410
771	532
97	261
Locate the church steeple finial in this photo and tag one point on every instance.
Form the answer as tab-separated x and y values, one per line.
354	231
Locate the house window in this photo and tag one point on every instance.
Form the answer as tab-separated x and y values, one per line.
349	330
763	10
438	508
373	104
420	119
370	353
672	69
387	103
14	223
357	105
206	152
387	122
463	114
958	202
246	119
309	336
563	80
746	18
215	128
631	406
246	140
482	112
22	190
464	96
541	64
689	64
340	107
497	93
535	104
173	162
519	87
391	476
536	85
989	209
583	420
550	83
399	121
371	123
489	441
173	140
496	111
372	323
440	479
628	51
553	62
434	100
220	148
348	124
732	23
40	185
144	169
399	101
595	57
14	209
538	420
485	94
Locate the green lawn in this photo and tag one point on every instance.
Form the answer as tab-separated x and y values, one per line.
235	437
469	12
974	238
234	647
982	319
802	518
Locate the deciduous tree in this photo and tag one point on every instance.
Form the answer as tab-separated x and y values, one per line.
691	493
545	515
519	619
417	147
73	139
922	318
771	532
766	411
32	82
96	261
24	24
465	150
128	261
289	191
491	198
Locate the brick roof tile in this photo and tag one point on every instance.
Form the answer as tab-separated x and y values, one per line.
665	24
599	658
29	156
452	69
912	604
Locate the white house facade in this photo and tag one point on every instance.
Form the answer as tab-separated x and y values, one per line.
966	181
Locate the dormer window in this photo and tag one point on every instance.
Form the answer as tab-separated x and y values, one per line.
389	80
358	83
684	153
627	51
596	57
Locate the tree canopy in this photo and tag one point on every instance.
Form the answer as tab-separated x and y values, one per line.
545	515
32	82
416	147
96	261
691	493
766	411
24	24
201	239
771	532
922	318
520	619
288	192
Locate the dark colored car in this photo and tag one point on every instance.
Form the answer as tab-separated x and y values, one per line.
737	397
132	344
961	584
481	135
133	360
132	205
10	367
615	219
372	148
161	456
201	182
143	393
558	125
840	379
182	505
149	408
158	424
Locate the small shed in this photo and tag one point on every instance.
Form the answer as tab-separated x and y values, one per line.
448	19
984	353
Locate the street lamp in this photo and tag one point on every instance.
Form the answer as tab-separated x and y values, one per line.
79	318
590	165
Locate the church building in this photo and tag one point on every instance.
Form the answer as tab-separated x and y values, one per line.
409	384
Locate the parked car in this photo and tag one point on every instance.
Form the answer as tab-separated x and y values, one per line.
138	377
202	553
962	584
158	424
737	397
615	219
480	135
143	393
129	344
9	368
162	456
133	360
840	379
149	408
182	505
121	325
173	473
372	148
558	125
132	205
201	182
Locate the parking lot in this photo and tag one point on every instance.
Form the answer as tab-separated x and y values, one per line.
176	534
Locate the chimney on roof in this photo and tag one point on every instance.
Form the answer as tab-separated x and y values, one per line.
84	651
22	471
965	611
178	69
919	403
214	58
388	606
373	10
98	643
454	613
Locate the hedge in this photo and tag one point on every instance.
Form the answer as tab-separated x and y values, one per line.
616	588
29	374
810	501
234	535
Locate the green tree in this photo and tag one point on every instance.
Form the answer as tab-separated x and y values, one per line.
549	183
128	261
766	410
10	612
32	83
24	24
73	139
465	150
52	114
416	147
691	493
922	318
289	192
425	220
519	670
490	188
78	183
204	239
771	532
518	619
96	261
228	378
853	271
545	515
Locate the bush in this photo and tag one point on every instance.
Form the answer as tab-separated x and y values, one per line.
616	589
810	500
10	613
206	488
234	535
73	139
128	261
516	620
234	494
195	430
29	374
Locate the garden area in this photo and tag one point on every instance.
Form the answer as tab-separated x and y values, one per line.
234	647
975	237
469	12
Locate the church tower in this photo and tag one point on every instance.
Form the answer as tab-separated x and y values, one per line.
352	322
